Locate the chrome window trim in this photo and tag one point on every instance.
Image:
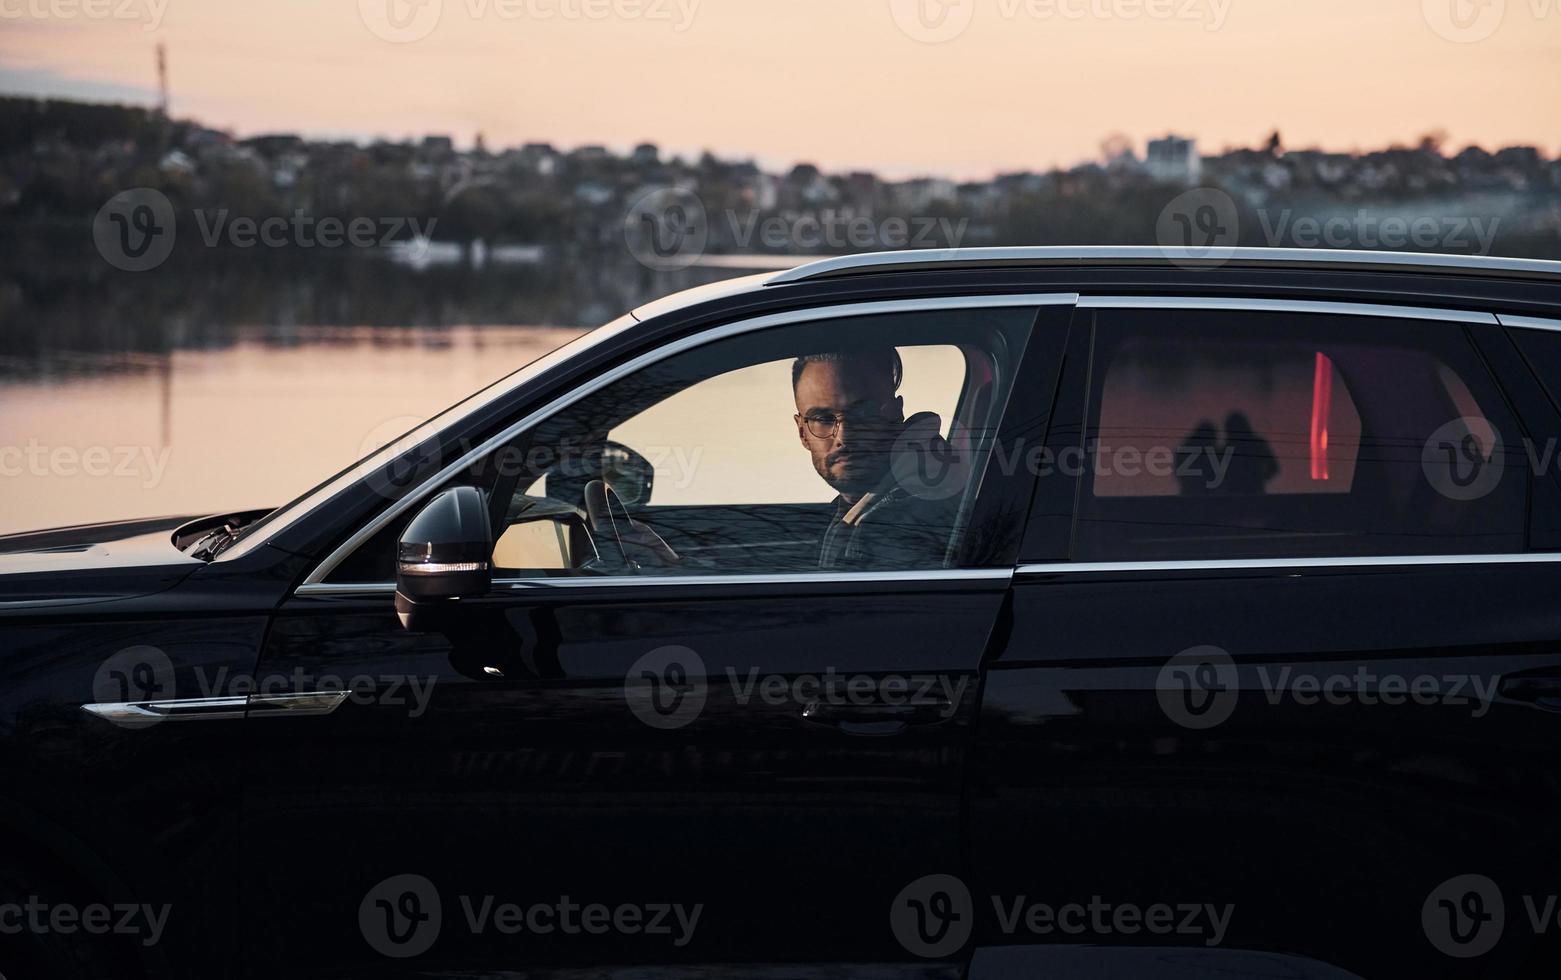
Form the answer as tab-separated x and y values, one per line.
1242	564
1528	322
1283	306
621	581
1178	257
735	328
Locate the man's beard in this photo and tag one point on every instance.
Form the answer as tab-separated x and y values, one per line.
859	479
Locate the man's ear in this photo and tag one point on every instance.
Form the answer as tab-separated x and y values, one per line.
802	434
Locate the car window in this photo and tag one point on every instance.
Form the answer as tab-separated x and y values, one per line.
705	463
746	447
1233	435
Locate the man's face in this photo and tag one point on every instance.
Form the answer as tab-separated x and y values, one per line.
855	456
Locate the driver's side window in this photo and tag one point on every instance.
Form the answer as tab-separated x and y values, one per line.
839	445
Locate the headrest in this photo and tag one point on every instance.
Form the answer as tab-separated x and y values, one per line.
924	464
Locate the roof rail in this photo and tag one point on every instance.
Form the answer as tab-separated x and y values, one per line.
1149	255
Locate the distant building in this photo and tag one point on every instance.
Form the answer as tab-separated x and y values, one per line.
438	145
1174	160
646	155
274	145
920	194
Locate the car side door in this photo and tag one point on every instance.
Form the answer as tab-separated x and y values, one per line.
621	767
1262	707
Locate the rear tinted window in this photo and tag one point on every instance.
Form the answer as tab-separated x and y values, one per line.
1235	435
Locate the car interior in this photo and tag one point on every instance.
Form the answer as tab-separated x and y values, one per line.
602	499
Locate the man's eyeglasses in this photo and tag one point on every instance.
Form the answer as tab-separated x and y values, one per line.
822	425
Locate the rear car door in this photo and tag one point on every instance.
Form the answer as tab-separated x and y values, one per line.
751	753
1277	700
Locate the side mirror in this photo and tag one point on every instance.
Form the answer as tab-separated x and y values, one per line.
443	557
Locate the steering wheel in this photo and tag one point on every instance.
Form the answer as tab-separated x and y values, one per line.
633	544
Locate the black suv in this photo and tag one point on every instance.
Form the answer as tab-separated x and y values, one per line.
1233	649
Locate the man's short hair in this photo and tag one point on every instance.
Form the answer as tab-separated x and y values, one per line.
885	359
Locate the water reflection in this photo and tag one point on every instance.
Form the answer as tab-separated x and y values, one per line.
248	424
62	308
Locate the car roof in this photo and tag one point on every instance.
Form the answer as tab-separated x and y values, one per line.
1517	285
1140	255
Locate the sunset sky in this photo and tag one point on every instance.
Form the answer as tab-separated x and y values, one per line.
966	88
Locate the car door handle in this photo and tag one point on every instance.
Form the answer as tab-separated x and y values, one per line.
878	718
1542	690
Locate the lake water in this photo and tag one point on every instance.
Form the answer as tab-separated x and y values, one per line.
228	380
250	424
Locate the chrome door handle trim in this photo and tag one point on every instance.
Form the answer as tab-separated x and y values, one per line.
229	708
296	705
170	709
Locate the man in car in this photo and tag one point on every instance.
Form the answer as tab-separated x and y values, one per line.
897	500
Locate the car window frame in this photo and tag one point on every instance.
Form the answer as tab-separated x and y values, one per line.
315	582
1074	395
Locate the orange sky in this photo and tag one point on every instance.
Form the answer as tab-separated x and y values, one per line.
1014	84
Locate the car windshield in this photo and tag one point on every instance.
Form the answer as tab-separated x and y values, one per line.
344	478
